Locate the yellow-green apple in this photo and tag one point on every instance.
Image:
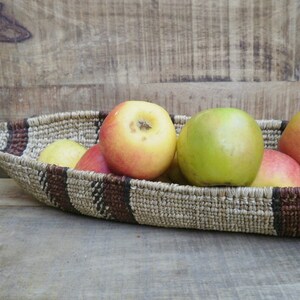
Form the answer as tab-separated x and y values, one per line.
138	139
93	160
62	152
220	147
277	169
289	142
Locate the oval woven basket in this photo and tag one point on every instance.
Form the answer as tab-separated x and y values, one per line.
269	211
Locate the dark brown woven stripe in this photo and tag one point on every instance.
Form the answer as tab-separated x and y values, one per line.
54	184
117	199
98	199
286	208
276	205
172	118
283	125
18	137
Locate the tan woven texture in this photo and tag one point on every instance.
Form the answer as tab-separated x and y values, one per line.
237	209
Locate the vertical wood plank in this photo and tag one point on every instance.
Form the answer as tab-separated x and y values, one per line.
297	41
176	41
135	42
264	100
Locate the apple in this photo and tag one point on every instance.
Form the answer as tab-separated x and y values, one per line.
174	172
63	153
277	169
93	160
220	147
138	139
289	142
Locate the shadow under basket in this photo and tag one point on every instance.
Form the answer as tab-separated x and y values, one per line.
269	211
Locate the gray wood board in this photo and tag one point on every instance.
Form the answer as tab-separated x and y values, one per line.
48	254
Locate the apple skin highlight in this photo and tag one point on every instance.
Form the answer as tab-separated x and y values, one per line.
138	139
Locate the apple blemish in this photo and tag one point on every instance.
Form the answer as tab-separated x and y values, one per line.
144	125
140	124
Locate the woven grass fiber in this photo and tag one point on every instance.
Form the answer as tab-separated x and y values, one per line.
269	211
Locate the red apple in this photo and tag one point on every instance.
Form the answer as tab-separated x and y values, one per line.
138	139
289	142
93	160
277	169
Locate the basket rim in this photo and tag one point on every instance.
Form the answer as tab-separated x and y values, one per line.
44	119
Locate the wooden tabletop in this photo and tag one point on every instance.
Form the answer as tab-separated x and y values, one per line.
49	254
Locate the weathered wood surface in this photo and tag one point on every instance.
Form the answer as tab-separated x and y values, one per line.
265	100
186	55
133	42
48	254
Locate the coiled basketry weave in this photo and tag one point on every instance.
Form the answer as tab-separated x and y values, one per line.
270	211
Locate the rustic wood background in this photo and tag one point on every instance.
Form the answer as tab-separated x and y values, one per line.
186	55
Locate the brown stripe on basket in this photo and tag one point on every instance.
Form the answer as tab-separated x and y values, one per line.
98	199
54	184
286	208
18	137
283	125
116	198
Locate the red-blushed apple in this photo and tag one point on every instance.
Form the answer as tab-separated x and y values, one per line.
63	153
277	169
289	142
93	160
138	139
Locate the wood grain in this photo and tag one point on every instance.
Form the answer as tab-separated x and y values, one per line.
134	42
265	100
85	258
13	196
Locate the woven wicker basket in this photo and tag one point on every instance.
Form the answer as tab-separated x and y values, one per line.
270	211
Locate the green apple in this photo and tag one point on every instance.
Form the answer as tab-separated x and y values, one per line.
220	147
63	153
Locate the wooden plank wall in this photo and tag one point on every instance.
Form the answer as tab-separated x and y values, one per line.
186	55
